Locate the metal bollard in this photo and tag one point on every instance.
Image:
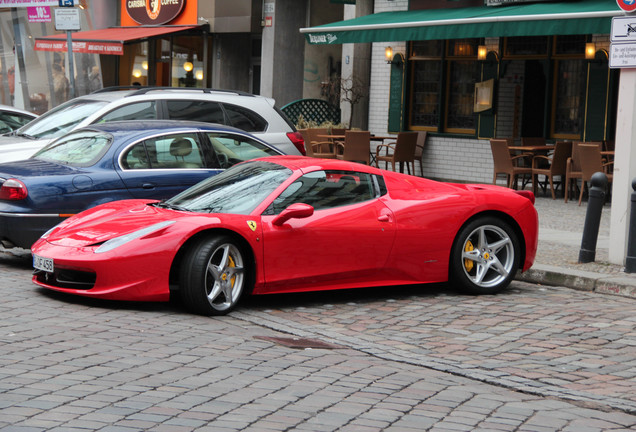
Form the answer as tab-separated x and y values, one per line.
630	261
595	203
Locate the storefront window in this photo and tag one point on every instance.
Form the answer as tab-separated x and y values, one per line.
426	92
568	98
187	62
462	78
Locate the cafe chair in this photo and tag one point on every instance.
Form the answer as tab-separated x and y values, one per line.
315	146
572	171
591	163
402	151
419	151
551	166
510	166
356	147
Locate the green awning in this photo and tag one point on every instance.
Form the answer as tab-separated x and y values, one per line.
534	19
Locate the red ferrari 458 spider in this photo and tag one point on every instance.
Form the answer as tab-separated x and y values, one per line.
289	224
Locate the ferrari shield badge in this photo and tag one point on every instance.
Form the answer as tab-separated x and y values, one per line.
252	225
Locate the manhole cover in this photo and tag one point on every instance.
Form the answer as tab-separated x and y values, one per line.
299	343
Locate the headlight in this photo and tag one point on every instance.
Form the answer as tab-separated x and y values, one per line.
118	241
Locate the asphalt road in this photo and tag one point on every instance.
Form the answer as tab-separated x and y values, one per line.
401	359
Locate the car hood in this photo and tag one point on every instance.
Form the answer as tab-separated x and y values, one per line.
34	168
106	221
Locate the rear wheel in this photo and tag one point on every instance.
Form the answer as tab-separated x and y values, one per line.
485	256
213	275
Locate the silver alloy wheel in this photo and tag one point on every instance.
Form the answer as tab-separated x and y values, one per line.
488	256
225	276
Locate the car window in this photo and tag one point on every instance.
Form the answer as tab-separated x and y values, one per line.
165	152
78	149
230	149
326	189
12	121
202	111
238	190
134	111
61	119
245	119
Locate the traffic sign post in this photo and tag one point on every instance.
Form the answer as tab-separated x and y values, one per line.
69	20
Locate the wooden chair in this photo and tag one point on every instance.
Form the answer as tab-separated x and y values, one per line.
591	163
403	151
419	151
572	170
505	163
356	147
318	147
551	166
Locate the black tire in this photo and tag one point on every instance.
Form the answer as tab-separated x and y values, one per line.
214	275
485	256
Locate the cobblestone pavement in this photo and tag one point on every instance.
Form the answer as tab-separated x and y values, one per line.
407	359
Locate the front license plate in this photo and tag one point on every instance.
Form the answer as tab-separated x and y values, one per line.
41	263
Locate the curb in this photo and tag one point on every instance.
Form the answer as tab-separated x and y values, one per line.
614	284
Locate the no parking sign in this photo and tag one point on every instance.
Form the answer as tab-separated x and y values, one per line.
627	5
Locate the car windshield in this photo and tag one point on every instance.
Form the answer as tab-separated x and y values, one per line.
78	149
61	119
238	190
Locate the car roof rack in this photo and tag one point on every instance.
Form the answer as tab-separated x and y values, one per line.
141	90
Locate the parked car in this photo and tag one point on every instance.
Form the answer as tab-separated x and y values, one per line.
255	114
290	224
117	160
12	118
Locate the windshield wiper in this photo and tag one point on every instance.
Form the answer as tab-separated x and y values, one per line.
164	204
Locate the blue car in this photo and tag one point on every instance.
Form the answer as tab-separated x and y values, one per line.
113	161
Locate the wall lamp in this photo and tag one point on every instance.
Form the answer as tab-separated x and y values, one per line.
388	55
482	52
590	51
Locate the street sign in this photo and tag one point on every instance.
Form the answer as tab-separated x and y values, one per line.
622	55
67	19
623	29
627	5
66	3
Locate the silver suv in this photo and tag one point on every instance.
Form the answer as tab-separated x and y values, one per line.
255	114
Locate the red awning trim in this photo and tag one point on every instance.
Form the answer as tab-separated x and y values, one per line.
104	41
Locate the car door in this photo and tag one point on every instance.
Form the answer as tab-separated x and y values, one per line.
162	166
345	242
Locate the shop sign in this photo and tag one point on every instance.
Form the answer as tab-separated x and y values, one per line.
115	48
27	3
153	12
39	14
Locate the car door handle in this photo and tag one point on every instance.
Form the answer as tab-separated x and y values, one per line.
147	186
384	218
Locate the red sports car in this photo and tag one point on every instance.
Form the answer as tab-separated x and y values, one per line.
289	224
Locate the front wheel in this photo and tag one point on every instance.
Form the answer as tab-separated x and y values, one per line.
485	256
213	276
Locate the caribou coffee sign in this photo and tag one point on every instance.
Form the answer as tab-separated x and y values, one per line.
154	12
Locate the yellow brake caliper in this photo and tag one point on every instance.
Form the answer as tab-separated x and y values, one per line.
468	264
224	276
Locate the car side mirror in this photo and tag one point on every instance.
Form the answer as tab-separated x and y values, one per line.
294	211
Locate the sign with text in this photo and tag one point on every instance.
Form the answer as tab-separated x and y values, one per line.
112	48
39	14
622	55
27	3
67	19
